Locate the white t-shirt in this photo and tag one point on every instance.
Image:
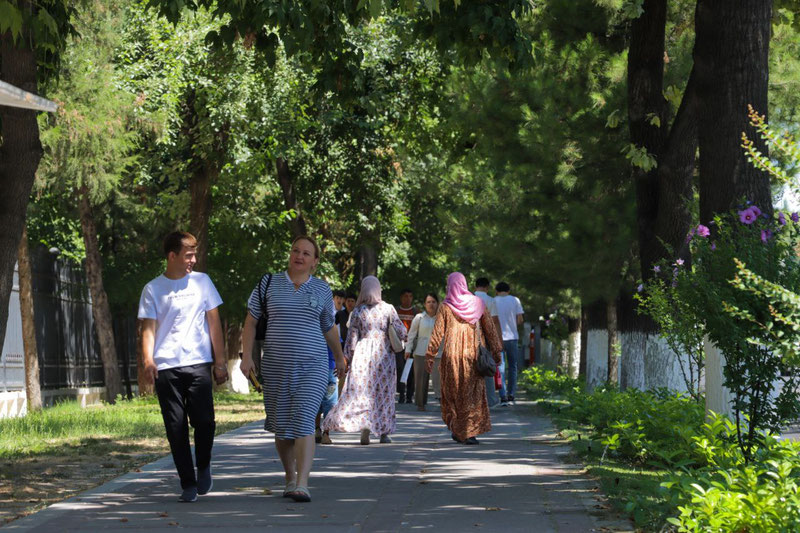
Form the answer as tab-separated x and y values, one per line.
506	309
179	308
488	301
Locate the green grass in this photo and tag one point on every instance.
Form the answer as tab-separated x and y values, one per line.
68	424
631	490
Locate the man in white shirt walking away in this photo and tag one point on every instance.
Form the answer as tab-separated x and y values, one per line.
181	341
481	291
508	314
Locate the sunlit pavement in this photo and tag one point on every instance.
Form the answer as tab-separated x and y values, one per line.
514	480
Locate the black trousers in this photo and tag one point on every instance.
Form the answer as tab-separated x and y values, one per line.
406	390
186	393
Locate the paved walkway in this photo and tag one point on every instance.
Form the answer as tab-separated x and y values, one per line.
514	480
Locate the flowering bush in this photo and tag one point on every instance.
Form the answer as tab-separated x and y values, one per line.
742	291
556	327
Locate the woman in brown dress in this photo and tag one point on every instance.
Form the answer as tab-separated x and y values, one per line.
461	322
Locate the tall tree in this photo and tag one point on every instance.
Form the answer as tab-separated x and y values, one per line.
88	147
32	36
732	68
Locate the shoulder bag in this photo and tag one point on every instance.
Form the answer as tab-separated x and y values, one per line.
484	363
394	339
261	327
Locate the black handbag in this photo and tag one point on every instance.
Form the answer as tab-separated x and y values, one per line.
485	364
261	327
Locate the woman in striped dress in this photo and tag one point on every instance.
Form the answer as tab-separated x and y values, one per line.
294	363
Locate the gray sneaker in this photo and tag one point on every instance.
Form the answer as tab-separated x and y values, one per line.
204	481
188	495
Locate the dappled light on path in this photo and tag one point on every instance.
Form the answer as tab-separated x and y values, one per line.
515	480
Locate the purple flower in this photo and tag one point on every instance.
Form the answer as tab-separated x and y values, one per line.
703	231
679	262
747	216
795	217
640	288
765	235
656	269
781	218
547	322
689	236
756	211
674	283
713	246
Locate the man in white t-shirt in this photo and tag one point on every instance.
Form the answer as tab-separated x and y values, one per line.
508	315
482	292
181	340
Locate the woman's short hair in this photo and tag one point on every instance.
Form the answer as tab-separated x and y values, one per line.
313	242
175	241
432	295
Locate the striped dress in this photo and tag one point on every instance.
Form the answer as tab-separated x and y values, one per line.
294	362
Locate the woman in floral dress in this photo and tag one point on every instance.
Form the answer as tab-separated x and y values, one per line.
367	400
461	323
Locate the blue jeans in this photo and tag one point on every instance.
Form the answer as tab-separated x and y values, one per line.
502	368
331	397
512	354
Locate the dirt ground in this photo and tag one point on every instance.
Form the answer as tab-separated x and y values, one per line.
30	483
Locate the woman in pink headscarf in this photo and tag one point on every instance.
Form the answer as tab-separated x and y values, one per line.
367	400
461	324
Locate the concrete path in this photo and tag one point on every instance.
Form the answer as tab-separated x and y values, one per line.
514	480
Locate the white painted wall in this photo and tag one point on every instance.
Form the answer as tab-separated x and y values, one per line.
718	397
647	362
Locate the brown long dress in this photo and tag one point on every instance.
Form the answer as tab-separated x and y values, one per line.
464	407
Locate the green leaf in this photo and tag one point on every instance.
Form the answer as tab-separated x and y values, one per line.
10	19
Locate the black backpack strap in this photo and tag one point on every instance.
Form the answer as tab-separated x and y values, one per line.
263	294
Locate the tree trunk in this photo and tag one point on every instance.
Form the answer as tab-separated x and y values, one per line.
100	309
202	179
613	342
20	153
367	260
298	223
33	387
584	341
574	344
233	340
675	172
731	62
647	119
145	389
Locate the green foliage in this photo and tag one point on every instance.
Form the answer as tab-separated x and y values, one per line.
665	304
556	327
44	25
318	32
731	494
535	142
709	485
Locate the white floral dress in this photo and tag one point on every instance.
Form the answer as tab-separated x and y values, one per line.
367	400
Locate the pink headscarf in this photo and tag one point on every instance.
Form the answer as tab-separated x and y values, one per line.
464	304
370	291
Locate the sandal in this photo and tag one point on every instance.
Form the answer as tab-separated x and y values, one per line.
300	494
326	438
291	486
